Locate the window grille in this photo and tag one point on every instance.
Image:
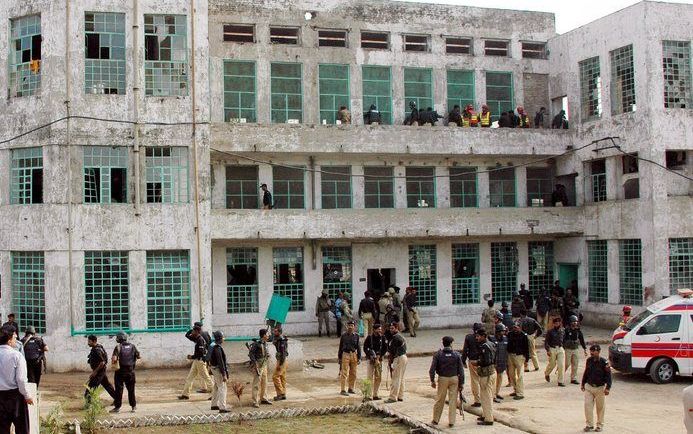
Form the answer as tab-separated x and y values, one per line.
239	92
504	264
333	83
622	80
289	187
465	273
630	272
241	280
539	186
335	184
423	273
421	187
379	187
25	61
29	290
680	263
105	174
242	187
377	91
104	50
598	271
106	292
598	180
288	275
336	271
418	87
27	176
168	290
676	66
167	174
541	266
286	92
499	93
165	55
463	187
590	88
501	185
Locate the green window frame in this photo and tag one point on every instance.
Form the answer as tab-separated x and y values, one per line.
27	176
105	174
335	183
598	271
418	87
336	270
676	67
167	174
379	187
501	186
333	84
463	187
680	264
630	272
500	93
461	88
289	187
590	88
421	187
242	187
377	90
165	55
465	273
286	86
288	275
423	273
106	291
504	267
539	185
242	295
104	53
240	87
540	258
598	177
622	80
168	290
24	61
29	289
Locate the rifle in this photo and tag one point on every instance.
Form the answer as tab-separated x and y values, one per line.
462	402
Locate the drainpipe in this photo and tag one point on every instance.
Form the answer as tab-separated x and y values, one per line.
136	101
68	126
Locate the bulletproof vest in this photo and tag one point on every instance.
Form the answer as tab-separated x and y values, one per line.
126	356
32	350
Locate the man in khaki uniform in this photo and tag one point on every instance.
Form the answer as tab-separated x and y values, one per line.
282	354
596	383
488	317
349	356
450	369
397	351
375	348
554	350
259	358
199	366
487	377
572	341
518	354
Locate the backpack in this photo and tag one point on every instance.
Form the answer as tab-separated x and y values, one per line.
208	355
32	349
126	355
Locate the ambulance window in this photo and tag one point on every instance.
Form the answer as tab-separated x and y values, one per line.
661	324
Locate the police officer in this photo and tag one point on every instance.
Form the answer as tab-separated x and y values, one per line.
596	383
572	338
14	396
35	353
374	348
518	354
487	376
447	364
12	323
553	344
98	360
220	370
397	354
470	350
501	342
349	355
259	358
368	311
281	344
323	306
533	330
411	310
199	366
125	356
488	317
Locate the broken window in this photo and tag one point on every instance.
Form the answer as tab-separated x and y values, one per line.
379	187
539	186
27	176
106	292
465	273
284	35
622	80
499	93
423	273
242	187
289	187
590	88
333	81
676	65
288	275
377	91
104	52
455	45
167	174
421	187
460	88
239	33
504	269
416	43
540	262
631	189
105	174
241	280
332	38
166	55
287	93
676	160
496	48
239	92
598	170
501	186
463	187
418	87
336	270
375	40
630	163
335	182
168	290
533	50
25	56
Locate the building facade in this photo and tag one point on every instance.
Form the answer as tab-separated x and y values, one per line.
137	138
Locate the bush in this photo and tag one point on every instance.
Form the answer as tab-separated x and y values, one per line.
53	423
93	408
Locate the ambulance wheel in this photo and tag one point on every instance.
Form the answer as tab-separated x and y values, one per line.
662	371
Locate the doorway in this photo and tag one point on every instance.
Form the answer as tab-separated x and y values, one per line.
379	279
567	273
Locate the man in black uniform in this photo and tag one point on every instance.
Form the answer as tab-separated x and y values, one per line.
397	362
35	353
374	348
553	344
518	354
266	197
372	116
368	312
12	323
470	350
447	363
281	344
533	330
199	366
125	355
349	356
572	341
98	359
487	376
596	383
220	370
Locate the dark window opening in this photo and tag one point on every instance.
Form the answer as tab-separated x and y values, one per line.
332	38
676	159
118	185
458	45
151	47
496	48
416	43
630	164
284	35
534	50
36	47
37	186
375	40
631	189
239	33
154	192
242	187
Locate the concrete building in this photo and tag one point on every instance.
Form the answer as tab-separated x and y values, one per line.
136	204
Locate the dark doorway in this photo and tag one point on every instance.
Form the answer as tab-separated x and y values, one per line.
379	279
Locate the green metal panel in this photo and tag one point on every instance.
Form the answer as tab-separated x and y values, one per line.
379	187
676	65
463	187
240	87
423	273
335	182
541	265
377	90
242	187
502	187
465	273
104	63
598	271
241	277
333	83
289	187
421	186
167	174
98	164
166	55
106	292
499	93
590	88
168	290
27	171
504	265
278	308
566	274
286	89
29	290
418	87
461	90
336	270
630	272
25	52
288	275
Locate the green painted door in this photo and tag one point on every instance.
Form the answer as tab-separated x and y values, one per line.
567	273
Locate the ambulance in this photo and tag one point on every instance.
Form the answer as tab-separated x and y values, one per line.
658	341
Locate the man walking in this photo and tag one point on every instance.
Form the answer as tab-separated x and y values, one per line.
554	350
410	308
397	353
266	197
447	364
349	356
470	351
572	342
98	360
488	317
501	343
282	354
518	354
374	348
323	306
531	327
384	301
220	371
198	367
596	383
368	312
35	353
125	356
14	396
487	376
259	358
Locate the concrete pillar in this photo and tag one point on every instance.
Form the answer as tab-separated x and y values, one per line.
311	111
484	270
318	187
613	178
265	176
137	273
78	298
219	280
479	82
265	276
263	92
482	187
442	183
399	107
56	275
444	273
218	186
400	187
523	263
5	169
358	200
356	89
440	90
613	276
521	186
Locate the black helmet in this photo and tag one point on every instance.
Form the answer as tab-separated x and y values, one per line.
412	104
30	330
504	304
500	328
218	335
477	326
121	337
573	318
